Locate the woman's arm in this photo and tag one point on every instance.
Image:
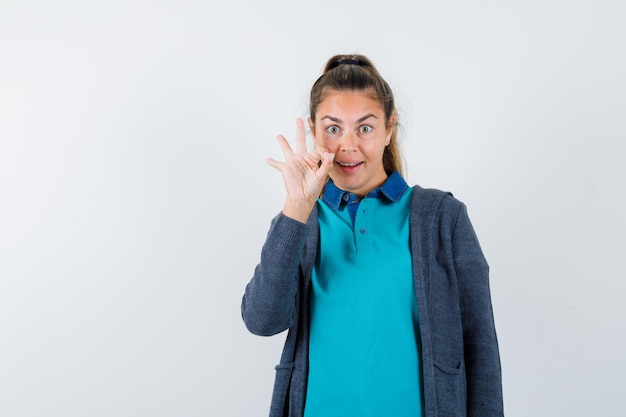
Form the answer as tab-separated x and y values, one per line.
482	358
269	305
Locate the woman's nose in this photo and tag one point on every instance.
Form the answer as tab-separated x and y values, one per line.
348	142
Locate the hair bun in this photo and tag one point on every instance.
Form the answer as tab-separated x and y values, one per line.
348	61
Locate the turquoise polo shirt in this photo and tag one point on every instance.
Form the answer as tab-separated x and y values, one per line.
364	355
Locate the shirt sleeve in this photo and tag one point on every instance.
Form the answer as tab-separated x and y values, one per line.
482	359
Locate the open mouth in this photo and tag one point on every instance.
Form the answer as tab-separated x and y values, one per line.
349	164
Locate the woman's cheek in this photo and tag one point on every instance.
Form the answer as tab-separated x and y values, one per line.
328	144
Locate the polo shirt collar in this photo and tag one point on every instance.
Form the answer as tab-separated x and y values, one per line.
393	188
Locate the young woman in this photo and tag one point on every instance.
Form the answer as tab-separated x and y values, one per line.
383	287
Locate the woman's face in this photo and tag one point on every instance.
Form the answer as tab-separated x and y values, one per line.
351	124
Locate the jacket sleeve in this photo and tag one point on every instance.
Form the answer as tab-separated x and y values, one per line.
482	359
269	304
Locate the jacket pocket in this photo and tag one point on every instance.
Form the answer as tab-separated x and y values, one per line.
450	390
449	370
280	395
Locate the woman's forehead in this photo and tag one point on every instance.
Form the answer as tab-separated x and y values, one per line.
344	103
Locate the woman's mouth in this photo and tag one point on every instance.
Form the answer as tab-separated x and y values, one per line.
349	166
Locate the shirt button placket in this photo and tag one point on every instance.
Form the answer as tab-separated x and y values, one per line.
361	227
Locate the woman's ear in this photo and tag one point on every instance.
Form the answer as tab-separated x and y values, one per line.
312	129
390	126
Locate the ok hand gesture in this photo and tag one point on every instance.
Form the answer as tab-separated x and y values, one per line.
303	174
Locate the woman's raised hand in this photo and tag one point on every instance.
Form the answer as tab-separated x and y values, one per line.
302	173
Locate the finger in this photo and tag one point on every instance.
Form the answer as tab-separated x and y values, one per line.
300	136
326	166
274	163
313	158
321	150
284	146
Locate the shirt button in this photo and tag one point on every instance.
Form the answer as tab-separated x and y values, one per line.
346	197
363	231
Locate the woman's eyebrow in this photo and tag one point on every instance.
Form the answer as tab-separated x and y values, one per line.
366	117
336	120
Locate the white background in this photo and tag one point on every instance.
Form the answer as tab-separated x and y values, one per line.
134	193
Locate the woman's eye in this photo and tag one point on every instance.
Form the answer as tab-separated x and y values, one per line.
365	129
332	129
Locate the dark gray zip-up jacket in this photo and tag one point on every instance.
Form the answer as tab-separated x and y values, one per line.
460	358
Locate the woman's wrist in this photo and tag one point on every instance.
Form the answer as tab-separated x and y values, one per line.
299	210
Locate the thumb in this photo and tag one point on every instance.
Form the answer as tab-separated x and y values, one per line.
327	164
